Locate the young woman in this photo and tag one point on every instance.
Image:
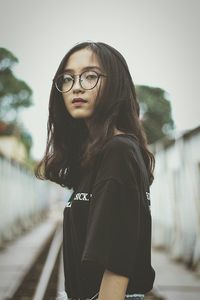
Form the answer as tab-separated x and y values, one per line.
97	147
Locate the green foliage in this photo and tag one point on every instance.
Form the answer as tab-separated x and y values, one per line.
155	112
7	59
14	93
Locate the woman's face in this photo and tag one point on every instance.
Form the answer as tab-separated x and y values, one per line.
80	102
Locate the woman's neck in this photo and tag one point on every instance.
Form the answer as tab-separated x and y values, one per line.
116	131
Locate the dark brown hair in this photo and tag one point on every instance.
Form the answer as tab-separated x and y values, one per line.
70	147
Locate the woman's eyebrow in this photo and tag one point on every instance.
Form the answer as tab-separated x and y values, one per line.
83	69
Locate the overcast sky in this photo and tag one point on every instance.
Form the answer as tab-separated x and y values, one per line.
160	39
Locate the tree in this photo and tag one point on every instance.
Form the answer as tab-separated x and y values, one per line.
14	93
155	111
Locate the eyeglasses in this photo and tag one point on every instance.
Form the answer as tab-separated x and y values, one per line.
87	80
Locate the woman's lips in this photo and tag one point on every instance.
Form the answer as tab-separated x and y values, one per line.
78	101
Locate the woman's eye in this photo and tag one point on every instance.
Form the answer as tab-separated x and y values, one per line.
91	76
67	78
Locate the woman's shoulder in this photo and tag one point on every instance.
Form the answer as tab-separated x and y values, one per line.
121	143
118	160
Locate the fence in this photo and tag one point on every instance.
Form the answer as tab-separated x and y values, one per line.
176	198
24	199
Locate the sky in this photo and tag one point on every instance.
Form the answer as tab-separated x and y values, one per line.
160	40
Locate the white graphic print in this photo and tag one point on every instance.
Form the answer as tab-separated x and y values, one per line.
82	196
148	196
148	200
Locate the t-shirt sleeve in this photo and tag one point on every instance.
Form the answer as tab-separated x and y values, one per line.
113	223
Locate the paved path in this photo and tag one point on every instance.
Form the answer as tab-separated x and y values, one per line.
17	258
173	280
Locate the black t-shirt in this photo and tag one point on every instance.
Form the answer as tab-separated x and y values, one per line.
108	225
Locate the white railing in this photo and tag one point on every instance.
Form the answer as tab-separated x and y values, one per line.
23	198
175	197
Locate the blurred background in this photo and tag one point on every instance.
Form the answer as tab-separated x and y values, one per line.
160	41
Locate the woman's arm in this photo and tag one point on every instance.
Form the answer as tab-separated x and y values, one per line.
113	286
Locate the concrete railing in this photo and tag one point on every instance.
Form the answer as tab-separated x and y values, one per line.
175	197
24	199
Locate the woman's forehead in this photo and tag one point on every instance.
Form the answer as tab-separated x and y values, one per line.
81	59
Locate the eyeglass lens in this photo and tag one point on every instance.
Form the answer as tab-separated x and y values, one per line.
88	80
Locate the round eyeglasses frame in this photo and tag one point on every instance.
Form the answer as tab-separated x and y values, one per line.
79	79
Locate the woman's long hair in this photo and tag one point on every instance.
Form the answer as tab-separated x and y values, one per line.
70	146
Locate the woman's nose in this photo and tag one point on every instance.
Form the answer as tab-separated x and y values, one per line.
77	84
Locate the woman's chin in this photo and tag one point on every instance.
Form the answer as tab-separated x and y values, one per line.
81	115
